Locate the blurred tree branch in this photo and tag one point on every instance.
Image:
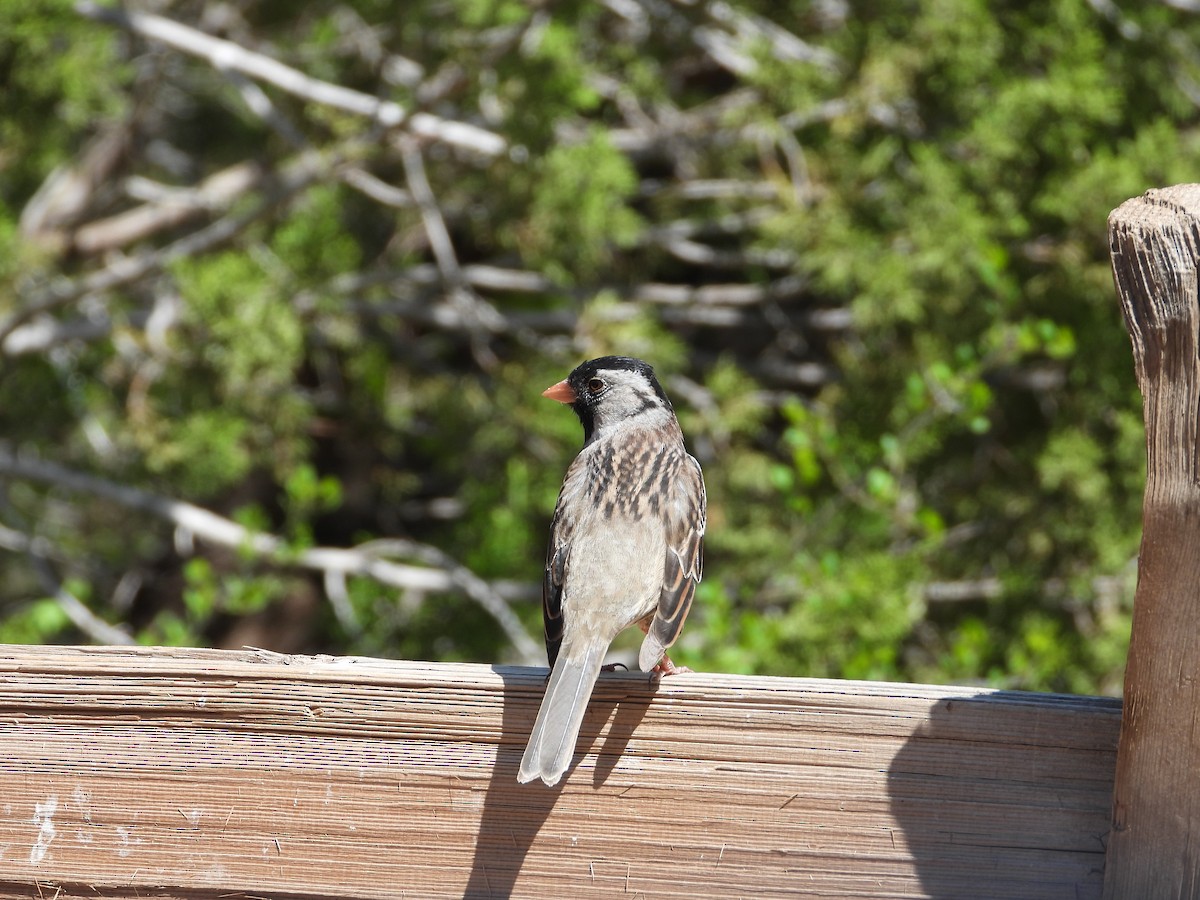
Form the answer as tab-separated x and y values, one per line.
228	56
336	562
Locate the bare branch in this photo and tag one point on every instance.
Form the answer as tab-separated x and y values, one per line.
339	599
751	29
40	551
709	189
431	215
65	194
701	254
497	278
20	542
481	318
377	189
228	56
216	529
217	191
475	587
963	591
260	104
47	332
39	336
81	617
299	173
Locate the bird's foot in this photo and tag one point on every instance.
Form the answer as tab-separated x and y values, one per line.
612	667
666	667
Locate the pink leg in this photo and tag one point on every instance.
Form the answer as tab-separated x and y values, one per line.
666	667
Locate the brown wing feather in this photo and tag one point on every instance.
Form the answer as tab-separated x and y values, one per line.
557	552
552	591
684	565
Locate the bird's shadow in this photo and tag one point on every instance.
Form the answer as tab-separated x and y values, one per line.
513	814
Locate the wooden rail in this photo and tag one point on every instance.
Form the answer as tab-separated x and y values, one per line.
207	774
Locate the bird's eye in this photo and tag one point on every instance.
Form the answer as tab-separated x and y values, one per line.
596	385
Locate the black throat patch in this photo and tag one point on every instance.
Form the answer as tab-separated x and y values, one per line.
585	404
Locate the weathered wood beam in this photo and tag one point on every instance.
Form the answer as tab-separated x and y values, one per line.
192	773
1154	850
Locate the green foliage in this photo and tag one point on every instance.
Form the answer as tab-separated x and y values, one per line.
39	622
306	495
579	210
873	276
232	405
313	243
975	264
207	593
50	58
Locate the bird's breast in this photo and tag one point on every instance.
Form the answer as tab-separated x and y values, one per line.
614	575
630	481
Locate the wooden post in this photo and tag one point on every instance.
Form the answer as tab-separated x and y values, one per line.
1154	845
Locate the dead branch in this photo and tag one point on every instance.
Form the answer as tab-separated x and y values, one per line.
216	192
227	56
127	269
40	552
478	314
209	526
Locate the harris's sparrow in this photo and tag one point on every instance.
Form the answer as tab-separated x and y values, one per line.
626	545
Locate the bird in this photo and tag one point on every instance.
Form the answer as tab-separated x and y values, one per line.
626	545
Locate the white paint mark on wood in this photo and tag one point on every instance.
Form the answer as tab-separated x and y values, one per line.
192	816
43	817
127	841
82	798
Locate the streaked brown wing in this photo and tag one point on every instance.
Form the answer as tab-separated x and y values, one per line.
552	592
684	566
557	552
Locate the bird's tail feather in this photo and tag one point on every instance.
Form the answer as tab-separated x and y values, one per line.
552	742
652	651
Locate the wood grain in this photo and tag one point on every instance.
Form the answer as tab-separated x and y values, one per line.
191	773
1155	848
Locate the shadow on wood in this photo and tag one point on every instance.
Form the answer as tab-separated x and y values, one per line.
511	818
1004	795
